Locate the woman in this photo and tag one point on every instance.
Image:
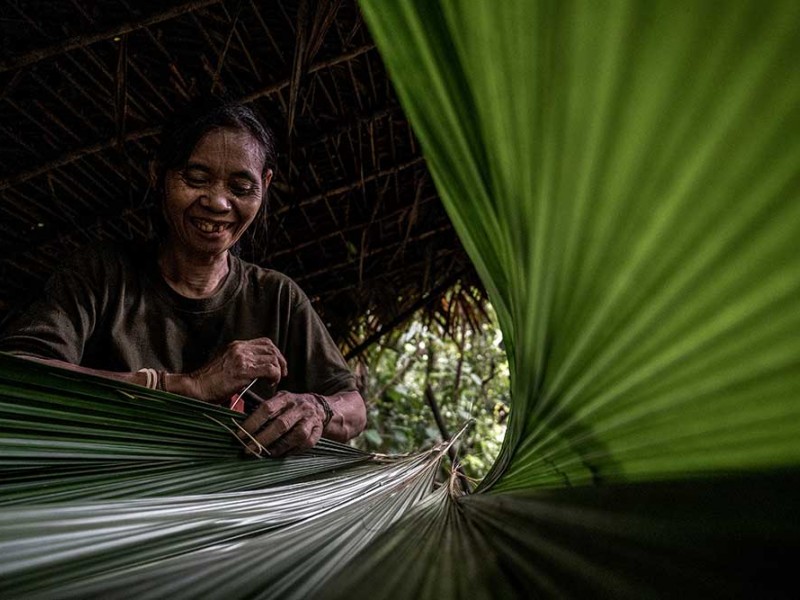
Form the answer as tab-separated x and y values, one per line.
187	315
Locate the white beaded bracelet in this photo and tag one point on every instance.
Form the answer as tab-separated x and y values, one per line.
152	378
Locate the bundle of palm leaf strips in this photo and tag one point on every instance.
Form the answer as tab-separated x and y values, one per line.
625	177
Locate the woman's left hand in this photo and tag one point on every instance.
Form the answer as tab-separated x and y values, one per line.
287	422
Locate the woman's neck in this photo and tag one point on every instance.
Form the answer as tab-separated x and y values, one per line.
192	276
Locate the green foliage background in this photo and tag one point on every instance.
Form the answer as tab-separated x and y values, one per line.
467	372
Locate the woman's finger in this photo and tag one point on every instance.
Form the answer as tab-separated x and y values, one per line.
294	420
270	372
302	436
277	427
266	411
272	350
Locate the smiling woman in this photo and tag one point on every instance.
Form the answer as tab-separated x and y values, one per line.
208	204
220	190
185	314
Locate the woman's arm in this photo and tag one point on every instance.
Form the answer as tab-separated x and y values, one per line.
349	416
223	376
133	377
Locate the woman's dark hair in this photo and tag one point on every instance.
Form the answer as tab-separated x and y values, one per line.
188	125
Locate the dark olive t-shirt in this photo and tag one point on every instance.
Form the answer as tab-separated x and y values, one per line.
111	309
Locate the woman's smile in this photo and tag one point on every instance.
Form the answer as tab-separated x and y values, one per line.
211	227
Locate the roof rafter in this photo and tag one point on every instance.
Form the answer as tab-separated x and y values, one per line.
112	141
81	41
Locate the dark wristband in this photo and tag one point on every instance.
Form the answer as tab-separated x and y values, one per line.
326	407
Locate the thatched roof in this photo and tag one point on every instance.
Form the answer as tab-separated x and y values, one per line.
85	88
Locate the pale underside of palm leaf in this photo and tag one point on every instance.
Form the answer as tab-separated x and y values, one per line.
172	476
625	176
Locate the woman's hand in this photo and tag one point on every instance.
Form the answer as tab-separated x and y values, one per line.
287	422
290	422
235	367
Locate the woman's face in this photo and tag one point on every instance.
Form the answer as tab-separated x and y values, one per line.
211	201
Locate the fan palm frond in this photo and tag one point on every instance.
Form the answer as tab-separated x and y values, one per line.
624	176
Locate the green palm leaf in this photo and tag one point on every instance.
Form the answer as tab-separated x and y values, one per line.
625	176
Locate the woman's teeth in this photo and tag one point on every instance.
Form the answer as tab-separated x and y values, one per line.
209	227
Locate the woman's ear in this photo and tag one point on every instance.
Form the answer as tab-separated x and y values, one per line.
267	178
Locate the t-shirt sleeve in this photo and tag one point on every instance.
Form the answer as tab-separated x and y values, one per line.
58	324
314	361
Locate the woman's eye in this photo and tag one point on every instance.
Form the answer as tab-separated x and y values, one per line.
242	189
195	180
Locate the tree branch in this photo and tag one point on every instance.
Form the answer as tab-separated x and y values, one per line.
451	451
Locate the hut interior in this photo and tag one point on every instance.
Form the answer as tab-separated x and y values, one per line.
353	216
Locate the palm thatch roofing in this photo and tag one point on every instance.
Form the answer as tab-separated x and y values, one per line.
86	86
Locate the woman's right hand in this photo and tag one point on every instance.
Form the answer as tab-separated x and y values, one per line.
235	367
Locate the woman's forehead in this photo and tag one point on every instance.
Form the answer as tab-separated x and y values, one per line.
229	147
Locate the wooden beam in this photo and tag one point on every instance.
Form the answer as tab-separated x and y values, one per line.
428	298
324	64
394	215
79	153
72	156
81	41
349	187
370	253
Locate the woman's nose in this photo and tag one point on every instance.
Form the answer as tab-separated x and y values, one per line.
216	199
